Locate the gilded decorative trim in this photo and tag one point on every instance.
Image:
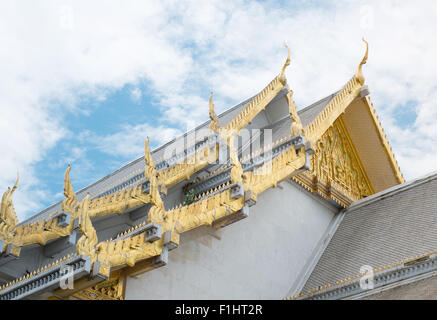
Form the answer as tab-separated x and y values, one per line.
258	103
321	289
86	245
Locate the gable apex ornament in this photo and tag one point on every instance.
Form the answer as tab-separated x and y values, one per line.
282	78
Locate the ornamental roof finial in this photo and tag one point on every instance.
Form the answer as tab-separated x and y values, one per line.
359	74
286	64
148	154
214	125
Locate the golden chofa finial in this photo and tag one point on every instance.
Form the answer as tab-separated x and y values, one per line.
359	74
214	125
7	211
70	201
286	64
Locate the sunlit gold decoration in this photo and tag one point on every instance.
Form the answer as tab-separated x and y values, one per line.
8	217
336	166
86	245
276	170
70	202
324	120
399	176
336	161
258	103
214	125
37	271
190	165
359	74
296	126
156	212
204	211
237	169
7	211
336	173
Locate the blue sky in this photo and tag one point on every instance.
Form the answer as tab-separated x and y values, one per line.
85	83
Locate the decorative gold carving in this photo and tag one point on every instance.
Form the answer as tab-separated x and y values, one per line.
336	170
276	170
40	232
359	74
8	217
214	125
296	126
127	251
70	202
111	289
118	202
35	272
203	212
281	77
156	212
190	165
86	245
336	106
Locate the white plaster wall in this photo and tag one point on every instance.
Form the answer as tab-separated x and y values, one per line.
258	257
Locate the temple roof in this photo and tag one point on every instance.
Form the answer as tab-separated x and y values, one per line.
380	230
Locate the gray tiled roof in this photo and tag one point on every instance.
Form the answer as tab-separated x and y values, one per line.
382	229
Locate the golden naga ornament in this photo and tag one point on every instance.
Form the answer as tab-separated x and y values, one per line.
324	120
296	126
86	245
281	77
214	125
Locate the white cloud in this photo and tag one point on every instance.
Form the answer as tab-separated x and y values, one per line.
184	49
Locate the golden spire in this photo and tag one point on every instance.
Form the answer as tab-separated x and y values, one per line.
214	125
86	245
151	174
359	74
70	201
7	211
286	64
